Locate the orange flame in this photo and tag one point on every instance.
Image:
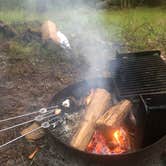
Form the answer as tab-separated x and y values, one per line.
118	143
98	144
117	136
121	139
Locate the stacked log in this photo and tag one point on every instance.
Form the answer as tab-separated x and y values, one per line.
97	114
98	105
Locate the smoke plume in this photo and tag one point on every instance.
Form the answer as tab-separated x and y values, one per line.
82	24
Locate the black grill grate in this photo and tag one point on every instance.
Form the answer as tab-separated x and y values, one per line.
140	74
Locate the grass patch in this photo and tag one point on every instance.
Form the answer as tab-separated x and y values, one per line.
12	16
20	50
141	28
137	29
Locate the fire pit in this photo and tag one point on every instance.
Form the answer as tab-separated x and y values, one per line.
135	130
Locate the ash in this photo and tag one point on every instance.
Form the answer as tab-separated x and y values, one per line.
65	127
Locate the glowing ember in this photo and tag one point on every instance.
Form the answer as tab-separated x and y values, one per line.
98	144
118	143
121	140
117	136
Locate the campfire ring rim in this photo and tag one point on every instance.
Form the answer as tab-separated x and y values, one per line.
139	150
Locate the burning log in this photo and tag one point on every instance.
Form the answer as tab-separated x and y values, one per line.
98	105
115	115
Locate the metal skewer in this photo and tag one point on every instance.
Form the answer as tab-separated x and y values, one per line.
41	111
17	138
43	125
37	118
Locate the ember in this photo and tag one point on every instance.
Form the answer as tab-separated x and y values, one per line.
118	143
98	144
121	140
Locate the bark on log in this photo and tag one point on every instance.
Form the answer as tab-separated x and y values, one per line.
95	109
115	115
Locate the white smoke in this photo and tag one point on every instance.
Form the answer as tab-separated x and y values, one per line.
90	34
81	22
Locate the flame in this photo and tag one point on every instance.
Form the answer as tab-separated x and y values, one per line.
121	139
118	142
117	136
98	144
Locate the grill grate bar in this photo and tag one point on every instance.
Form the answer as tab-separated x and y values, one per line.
133	57
147	87
140	65
138	93
144	86
143	92
142	79
142	69
138	74
140	60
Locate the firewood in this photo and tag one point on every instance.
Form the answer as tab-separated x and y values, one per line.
115	115
49	31
98	105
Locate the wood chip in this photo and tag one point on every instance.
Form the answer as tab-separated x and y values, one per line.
34	135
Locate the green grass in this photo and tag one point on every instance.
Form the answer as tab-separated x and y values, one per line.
137	29
11	16
19	50
141	28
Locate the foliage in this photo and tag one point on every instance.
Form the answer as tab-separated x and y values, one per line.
20	50
138	29
45	5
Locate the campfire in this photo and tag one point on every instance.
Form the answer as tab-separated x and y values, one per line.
101	126
92	123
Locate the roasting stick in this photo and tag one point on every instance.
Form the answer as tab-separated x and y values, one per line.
20	116
37	118
17	125
17	138
41	111
44	125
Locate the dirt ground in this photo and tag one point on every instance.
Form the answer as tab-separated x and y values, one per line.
28	89
28	83
30	75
